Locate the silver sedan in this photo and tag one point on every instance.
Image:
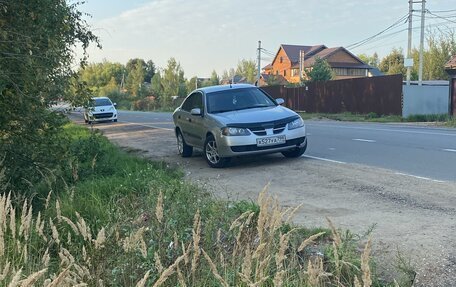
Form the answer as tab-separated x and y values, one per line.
234	120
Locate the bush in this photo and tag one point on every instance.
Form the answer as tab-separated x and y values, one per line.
428	118
146	104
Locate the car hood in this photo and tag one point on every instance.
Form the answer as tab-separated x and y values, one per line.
256	115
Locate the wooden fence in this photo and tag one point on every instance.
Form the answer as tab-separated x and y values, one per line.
381	95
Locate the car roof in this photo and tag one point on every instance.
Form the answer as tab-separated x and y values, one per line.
99	98
219	88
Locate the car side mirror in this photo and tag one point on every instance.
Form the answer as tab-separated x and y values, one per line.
280	101
195	112
114	104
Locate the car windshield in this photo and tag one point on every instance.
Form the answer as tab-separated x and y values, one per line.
237	99
101	102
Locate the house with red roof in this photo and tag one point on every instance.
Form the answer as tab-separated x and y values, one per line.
291	59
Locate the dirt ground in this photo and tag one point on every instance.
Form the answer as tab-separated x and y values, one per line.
413	216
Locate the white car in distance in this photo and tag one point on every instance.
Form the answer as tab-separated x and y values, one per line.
100	109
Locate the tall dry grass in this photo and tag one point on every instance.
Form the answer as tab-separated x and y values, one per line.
52	248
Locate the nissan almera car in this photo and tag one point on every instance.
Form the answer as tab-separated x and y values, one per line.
235	120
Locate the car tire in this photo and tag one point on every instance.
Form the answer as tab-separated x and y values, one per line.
211	153
183	149
297	152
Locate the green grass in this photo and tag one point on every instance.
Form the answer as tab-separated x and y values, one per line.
438	119
119	192
371	117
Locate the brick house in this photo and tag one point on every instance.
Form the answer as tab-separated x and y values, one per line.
286	62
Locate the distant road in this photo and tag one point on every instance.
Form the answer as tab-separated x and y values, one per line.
411	150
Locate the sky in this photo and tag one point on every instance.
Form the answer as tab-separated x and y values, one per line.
207	35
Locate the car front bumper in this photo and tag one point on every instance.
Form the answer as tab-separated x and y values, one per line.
229	146
100	117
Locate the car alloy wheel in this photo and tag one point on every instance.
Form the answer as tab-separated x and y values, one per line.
183	149
211	152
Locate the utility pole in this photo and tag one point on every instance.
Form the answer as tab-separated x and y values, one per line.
259	63
420	71
301	65
409	47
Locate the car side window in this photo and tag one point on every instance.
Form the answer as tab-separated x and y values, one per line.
195	100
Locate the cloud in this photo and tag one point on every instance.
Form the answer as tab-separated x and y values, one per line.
216	34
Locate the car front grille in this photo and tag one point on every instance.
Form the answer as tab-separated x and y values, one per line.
102	115
259	129
254	147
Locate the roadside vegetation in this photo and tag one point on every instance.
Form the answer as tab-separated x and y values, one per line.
113	219
437	119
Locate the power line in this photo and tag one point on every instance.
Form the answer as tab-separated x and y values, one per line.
444	18
443	11
397	32
398	22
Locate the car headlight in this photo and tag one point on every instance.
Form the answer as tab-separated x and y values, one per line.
231	131
298	123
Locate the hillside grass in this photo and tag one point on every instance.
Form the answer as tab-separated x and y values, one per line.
126	221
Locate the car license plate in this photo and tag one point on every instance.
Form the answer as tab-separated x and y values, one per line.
271	141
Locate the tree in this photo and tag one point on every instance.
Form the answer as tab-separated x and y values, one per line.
320	71
440	47
135	78
150	71
97	76
393	63
370	60
273	80
247	69
156	85
173	83
191	83
215	80
37	39
228	75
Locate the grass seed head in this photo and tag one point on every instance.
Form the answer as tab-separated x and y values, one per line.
101	239
196	240
142	282
335	233
46	258
48	199
55	233
159	208
214	270
158	264
5	271
367	280
309	241
12	224
168	271
58	211
30	280
16	279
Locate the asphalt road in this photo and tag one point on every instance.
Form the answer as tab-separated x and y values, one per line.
411	150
